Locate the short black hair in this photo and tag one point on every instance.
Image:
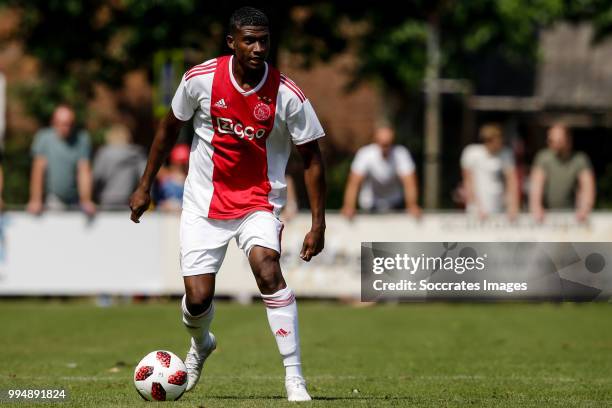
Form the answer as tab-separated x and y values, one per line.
247	16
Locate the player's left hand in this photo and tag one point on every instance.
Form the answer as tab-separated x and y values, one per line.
313	244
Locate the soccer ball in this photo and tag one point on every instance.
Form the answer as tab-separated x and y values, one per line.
160	376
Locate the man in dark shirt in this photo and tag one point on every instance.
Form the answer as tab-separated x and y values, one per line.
561	176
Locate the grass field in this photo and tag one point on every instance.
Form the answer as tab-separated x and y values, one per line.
501	355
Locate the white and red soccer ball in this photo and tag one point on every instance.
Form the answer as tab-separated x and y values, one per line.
160	376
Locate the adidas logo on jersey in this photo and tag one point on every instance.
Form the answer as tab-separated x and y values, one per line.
221	103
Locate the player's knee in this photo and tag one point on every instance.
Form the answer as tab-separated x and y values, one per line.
199	298
269	284
268	273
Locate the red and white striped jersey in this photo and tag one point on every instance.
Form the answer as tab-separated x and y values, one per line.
243	138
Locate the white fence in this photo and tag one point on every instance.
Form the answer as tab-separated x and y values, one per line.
67	254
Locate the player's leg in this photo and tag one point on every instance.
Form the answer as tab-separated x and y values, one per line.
281	308
197	306
203	247
198	312
259	237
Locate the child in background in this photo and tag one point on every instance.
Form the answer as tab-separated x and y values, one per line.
171	179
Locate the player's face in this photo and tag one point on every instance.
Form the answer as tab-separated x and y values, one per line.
251	46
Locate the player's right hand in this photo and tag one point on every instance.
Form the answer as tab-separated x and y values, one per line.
139	203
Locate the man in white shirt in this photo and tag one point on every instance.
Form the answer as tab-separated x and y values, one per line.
489	175
384	177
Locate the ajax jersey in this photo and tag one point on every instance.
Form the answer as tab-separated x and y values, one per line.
243	138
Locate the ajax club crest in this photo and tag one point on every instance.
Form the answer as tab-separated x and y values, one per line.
262	111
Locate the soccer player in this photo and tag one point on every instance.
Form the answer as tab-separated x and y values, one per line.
245	115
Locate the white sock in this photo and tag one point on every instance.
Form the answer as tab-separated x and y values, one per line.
198	325
283	318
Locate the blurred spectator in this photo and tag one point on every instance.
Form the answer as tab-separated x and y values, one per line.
560	176
117	168
61	169
171	179
386	174
1	181
489	175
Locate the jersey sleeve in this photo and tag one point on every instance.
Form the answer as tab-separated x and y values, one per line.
183	104
303	124
404	165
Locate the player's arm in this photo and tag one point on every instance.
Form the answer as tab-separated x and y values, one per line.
165	137
314	178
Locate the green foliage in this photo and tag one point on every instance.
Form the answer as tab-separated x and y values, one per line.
337	175
392	49
604	188
99	40
80	43
16	167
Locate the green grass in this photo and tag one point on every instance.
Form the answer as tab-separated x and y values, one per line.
497	355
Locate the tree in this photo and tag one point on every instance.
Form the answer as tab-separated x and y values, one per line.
80	43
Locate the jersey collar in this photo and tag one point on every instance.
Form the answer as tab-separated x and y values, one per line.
239	88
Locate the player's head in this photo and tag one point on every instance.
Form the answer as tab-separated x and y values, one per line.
249	37
559	139
492	137
384	137
63	120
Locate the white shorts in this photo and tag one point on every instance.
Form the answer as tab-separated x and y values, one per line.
204	240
